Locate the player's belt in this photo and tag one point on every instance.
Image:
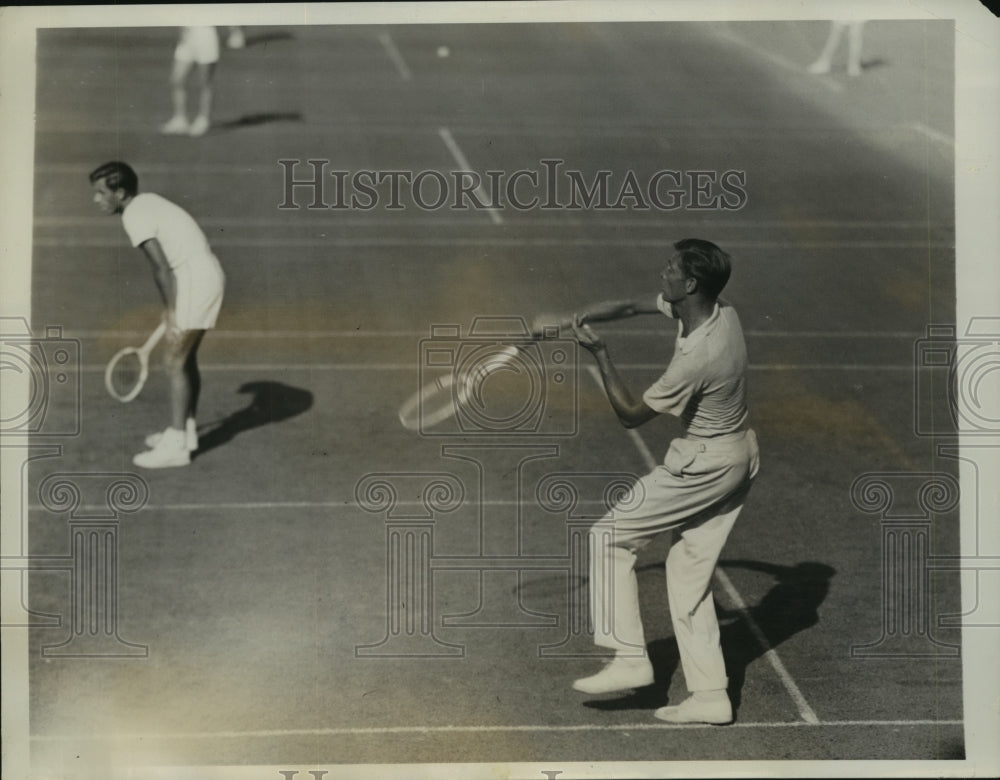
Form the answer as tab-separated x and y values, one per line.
725	440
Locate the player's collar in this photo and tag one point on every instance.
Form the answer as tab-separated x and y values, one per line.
686	343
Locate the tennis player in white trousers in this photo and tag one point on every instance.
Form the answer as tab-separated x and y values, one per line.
697	492
191	284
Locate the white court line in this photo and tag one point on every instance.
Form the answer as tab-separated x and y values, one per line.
395	55
422	334
423	124
268	505
332	732
318	217
291	242
89	368
775	59
933	134
463	164
805	711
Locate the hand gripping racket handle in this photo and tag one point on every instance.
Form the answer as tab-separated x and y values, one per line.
142	353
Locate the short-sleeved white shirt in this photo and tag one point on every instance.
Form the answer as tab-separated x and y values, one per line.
149	215
705	382
199	278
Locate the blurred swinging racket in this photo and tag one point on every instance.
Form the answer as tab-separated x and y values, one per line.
127	370
441	398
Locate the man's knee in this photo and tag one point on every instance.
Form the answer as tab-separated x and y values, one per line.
204	73
173	362
181	352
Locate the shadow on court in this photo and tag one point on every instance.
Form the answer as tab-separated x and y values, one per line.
270	402
264	38
872	63
260	118
790	606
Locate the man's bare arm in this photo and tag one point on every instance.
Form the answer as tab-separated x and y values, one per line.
632	412
162	274
596	312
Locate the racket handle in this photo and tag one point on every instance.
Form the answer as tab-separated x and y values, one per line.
153	340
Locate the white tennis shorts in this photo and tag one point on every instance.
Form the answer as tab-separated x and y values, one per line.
199	294
198	44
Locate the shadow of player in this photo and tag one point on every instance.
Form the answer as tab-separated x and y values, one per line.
261	118
264	38
790	606
271	402
874	62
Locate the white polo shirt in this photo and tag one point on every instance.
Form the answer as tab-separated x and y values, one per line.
198	274
149	215
705	383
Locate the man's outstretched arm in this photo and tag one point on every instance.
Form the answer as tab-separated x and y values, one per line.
596	312
632	412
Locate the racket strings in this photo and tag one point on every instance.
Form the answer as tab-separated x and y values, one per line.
125	374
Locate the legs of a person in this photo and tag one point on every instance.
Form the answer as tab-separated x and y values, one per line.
825	59
204	77
202	48
659	501
698	482
178	123
181	363
614	591
614	612
173	446
690	565
194	379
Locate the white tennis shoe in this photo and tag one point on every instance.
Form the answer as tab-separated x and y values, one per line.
621	674
716	712
177	125
171	450
199	126
190	436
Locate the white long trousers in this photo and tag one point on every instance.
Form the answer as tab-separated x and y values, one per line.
698	493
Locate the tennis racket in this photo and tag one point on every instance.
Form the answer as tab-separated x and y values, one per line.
441	399
127	370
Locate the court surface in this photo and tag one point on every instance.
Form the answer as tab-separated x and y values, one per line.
257	587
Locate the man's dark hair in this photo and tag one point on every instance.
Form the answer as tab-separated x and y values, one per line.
704	261
119	176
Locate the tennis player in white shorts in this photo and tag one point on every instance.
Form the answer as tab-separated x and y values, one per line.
697	493
191	283
198	50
